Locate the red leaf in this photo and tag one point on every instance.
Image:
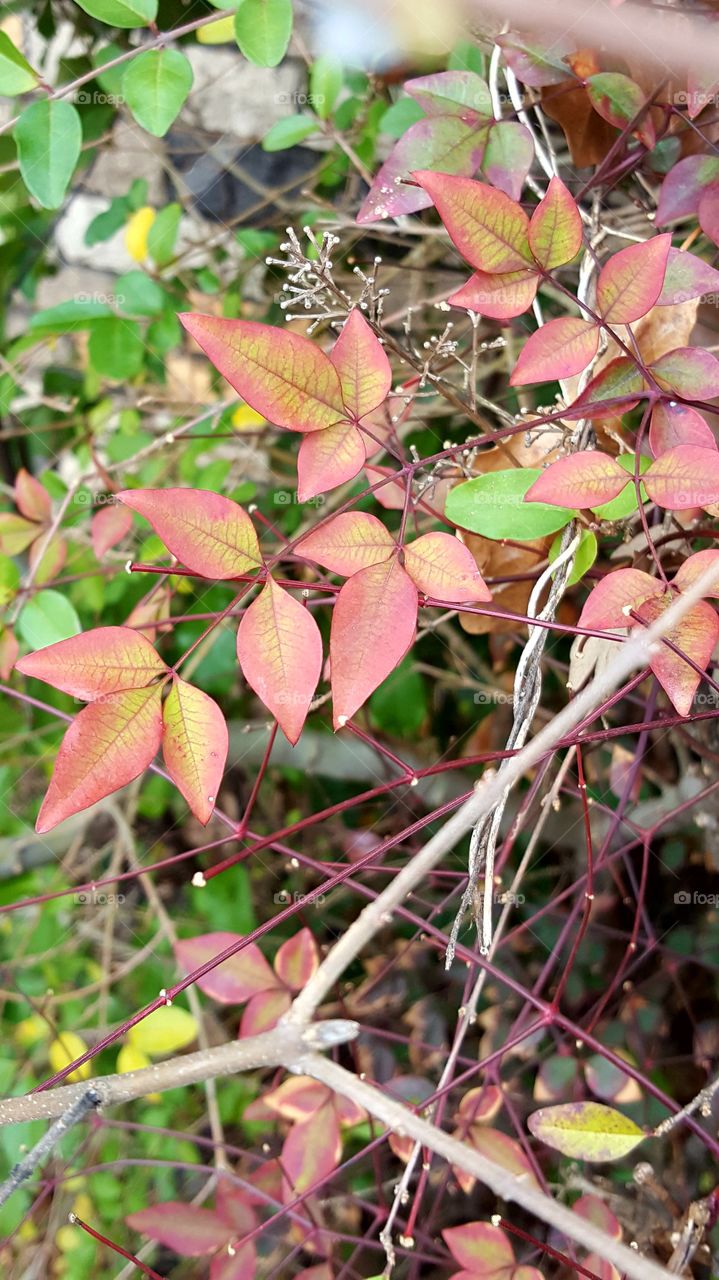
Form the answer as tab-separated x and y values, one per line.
263	1012
585	479
618	99
481	1249
108	745
693	568
619	380
447	143
207	533
373	626
95	663
311	1151
684	186
240	1264
609	603
279	648
109	526
235	980
444	569
508	157
498	296
686	277
297	959
186	1228
328	458
684	477
194	746
673	424
630	283
32	498
559	349
347	543
709	217
362	366
282	375
688	372
555	228
488	228
234	1207
298	1098
696	634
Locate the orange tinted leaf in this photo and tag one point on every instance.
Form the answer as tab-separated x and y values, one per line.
311	1151
558	349
297	960
298	1098
235	980
362	366
555	228
687	277
481	1249
9	649
585	479
347	543
282	375
443	568
594	1210
488	228
31	497
609	602
499	296
693	568
207	533
695	634
630	283
620	380
95	663
194	746
109	526
328	458
689	372
264	1011
373	626
280	651
108	744
684	477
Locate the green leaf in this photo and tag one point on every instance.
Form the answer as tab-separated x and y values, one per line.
116	348
163	233
155	86
105	224
399	705
47	618
138	295
584	556
76	313
110	81
586	1131
325	84
625	504
493	505
398	118
288	132
263	29
16	74
9	580
121	13
49	137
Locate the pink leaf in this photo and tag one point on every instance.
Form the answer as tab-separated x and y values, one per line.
444	569
390	496
684	186
235	980
673	424
279	648
241	1264
451	92
684	477
109	526
534	65
709	217
447	143
555	228
558	349
618	99
95	663
9	649
500	296
585	479
630	283
608	604
362	366
194	746
263	1012
207	533
488	228
508	157
186	1228
108	745
593	1209
686	277
693	568
285	377
296	960
311	1151
32	498
234	1207
481	1249
620	380
298	1098
689	372
328	458
347	543
373	626
696	634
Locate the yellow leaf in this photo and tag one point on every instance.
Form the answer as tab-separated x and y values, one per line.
130	1058
164	1031
245	418
65	1050
30	1030
220	32
137	230
586	1130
